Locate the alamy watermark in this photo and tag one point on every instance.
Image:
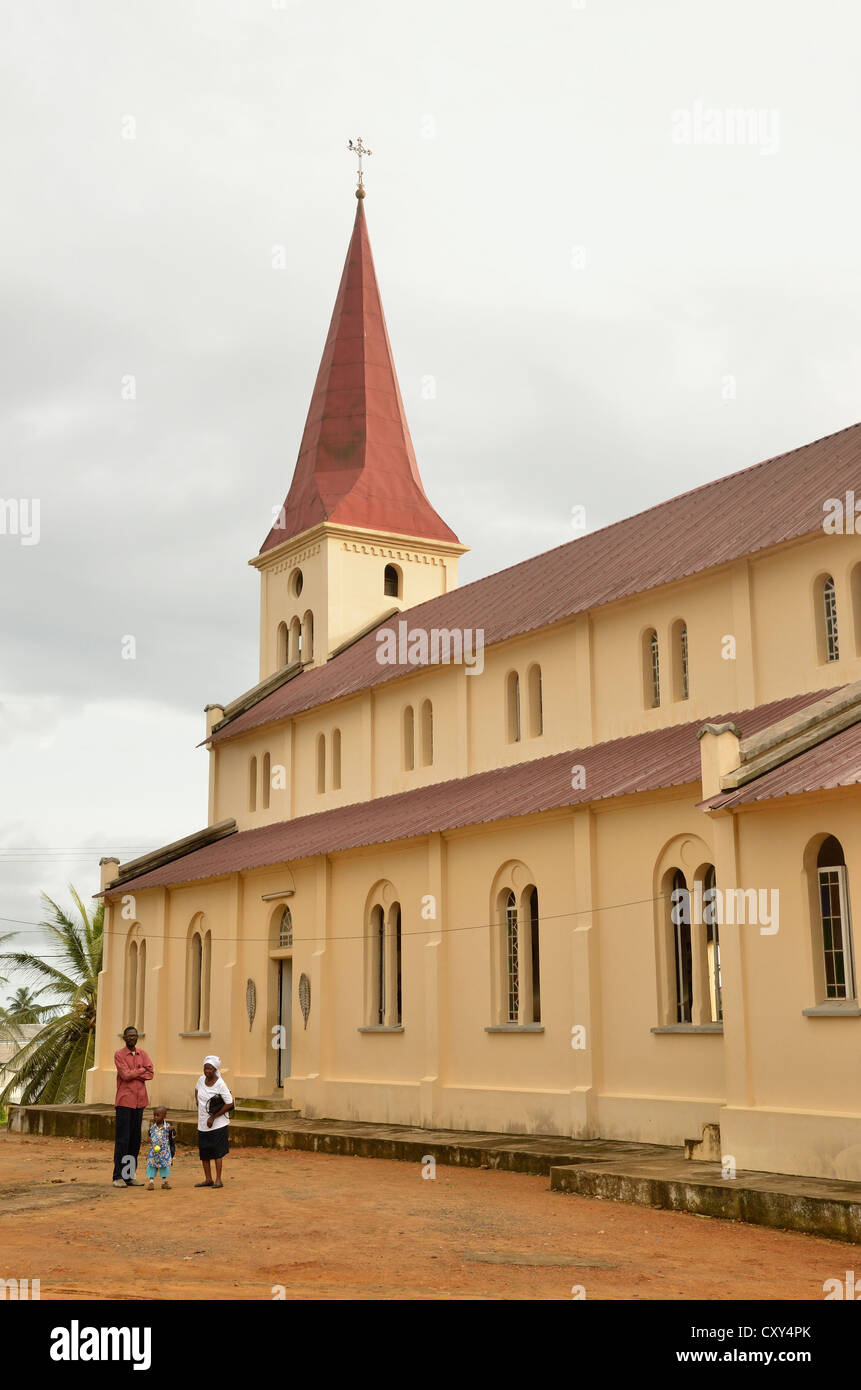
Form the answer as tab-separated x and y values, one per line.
756	127
730	906
436	646
21	517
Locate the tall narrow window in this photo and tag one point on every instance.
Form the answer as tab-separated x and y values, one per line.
395	920
285	929
295	640
205	981
679	643
392	582
536	704
194	982
281	645
140	1011
308	637
680	917
829	604
131	990
512	706
535	961
321	762
512	959
651	670
267	781
710	918
835	921
409	739
336	759
252	785
427	733
378	925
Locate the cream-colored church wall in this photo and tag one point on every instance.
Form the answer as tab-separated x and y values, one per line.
553	650
785	642
794	1061
444	688
704	605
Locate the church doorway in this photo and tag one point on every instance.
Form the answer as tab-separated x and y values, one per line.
284	987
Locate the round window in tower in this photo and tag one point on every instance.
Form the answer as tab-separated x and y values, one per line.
296	583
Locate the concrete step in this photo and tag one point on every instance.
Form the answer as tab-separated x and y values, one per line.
273	1102
270	1115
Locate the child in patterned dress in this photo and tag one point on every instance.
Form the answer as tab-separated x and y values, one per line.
162	1142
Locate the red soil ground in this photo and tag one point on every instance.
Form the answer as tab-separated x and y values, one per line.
355	1228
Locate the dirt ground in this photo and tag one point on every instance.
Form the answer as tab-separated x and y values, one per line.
326	1227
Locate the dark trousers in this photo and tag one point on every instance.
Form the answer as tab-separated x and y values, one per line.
127	1142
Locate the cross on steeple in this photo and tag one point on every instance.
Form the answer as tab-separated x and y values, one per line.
358	148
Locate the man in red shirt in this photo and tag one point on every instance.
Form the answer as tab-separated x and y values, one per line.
134	1069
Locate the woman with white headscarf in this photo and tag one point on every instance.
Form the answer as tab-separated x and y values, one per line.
214	1103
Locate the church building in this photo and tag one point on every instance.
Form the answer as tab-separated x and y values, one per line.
569	850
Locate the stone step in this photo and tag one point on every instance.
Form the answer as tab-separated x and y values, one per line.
275	1102
268	1116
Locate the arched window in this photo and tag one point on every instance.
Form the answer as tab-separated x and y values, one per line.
267	781
197	977
835	920
711	920
651	669
512	707
295	640
321	762
531	899
336	759
285	929
829	618
308	637
680	660
536	704
515	955
281	645
409	739
140	1010
296	583
680	919
392	581
383	960
252	785
427	733
132	991
512	958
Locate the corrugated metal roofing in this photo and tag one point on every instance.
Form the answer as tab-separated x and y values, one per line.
643	762
772	502
834	763
356	463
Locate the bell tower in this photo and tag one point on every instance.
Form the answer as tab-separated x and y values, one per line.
357	536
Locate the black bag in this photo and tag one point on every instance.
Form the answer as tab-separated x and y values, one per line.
172	1140
215	1103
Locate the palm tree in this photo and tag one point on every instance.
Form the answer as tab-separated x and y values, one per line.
51	1068
24	1006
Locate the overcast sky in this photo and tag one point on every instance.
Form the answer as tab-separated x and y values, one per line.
600	291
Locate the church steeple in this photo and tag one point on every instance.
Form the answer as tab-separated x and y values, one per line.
356	536
356	463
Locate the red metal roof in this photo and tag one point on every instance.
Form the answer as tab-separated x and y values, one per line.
762	506
643	762
834	763
356	462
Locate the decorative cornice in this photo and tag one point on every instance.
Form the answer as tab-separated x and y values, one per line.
391	552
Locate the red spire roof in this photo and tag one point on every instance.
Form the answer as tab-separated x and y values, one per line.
356	463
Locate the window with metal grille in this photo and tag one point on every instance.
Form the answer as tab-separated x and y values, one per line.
285	929
654	670
512	959
835	921
829	601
